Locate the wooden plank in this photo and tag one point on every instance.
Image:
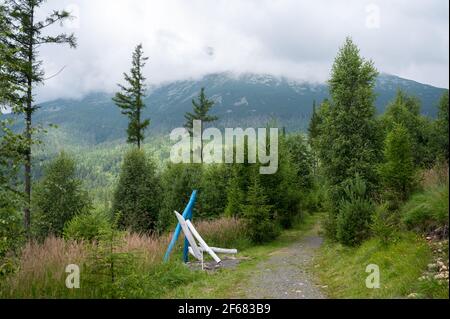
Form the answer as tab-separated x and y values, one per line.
202	242
221	250
188	236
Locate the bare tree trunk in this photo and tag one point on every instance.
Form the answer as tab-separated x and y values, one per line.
27	209
28	129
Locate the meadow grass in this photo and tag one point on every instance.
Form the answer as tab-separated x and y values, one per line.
401	264
141	274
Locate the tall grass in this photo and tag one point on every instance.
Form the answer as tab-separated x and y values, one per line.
41	266
428	209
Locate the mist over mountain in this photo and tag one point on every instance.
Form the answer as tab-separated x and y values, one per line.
246	100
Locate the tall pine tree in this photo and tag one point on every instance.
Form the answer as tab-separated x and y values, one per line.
350	142
26	36
131	98
201	109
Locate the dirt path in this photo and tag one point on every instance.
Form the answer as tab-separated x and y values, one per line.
286	274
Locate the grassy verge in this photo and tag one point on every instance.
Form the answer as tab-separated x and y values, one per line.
401	265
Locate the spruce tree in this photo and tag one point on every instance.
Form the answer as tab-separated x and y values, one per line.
131	98
137	195
201	108
397	171
349	140
257	213
58	197
26	36
313	128
405	110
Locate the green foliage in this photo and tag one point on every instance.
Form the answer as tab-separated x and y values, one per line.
355	213
314	124
109	268
299	155
257	214
137	195
58	197
201	109
385	224
398	171
178	181
26	35
90	226
405	111
401	264
237	187
441	128
427	210
11	230
131	99
349	143
213	191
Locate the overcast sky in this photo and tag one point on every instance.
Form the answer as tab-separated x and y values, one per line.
294	38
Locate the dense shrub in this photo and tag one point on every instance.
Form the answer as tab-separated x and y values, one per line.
58	197
355	213
398	171
137	196
89	226
257	214
213	191
385	224
178	181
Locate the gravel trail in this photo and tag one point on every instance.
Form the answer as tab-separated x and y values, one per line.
286	275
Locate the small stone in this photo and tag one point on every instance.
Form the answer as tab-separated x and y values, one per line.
432	266
440	276
413	295
440	263
298	291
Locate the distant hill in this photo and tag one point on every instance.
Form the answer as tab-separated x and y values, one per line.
247	100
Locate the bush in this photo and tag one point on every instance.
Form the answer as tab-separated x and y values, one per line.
213	191
90	226
384	224
178	181
137	196
11	230
58	197
398	172
355	213
260	227
428	210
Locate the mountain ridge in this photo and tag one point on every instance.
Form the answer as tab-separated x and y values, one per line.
242	100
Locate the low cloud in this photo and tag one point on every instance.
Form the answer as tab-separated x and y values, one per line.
298	39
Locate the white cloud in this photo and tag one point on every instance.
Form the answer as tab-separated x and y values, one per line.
188	38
